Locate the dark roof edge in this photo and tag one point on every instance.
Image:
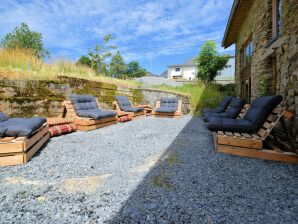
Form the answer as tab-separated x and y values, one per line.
231	17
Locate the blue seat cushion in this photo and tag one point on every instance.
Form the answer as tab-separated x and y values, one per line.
132	109
96	113
86	106
229	124
232	112
3	117
222	106
168	105
21	127
125	104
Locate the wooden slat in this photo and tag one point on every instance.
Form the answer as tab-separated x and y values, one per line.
31	141
246	135
262	132
228	133
237	134
277	110
272	118
11	160
7	139
249	143
267	125
36	147
220	133
95	126
259	154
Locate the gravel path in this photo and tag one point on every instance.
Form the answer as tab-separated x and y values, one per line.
149	81
151	170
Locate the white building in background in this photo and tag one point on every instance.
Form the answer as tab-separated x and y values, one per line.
182	71
188	70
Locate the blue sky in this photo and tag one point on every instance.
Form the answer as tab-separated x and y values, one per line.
155	33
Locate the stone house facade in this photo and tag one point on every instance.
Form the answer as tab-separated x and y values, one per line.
265	33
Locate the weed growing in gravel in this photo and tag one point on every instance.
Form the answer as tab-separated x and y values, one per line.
162	181
173	159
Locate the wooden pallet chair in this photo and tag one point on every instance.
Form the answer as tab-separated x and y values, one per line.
176	114
136	114
252	145
19	150
84	123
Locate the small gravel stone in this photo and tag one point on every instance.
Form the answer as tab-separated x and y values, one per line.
150	170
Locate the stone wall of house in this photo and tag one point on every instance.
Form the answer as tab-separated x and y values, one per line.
25	98
284	50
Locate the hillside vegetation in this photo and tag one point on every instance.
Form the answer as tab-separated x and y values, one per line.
202	95
22	64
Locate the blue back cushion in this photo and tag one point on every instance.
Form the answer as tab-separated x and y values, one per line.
83	102
123	102
169	103
224	103
3	117
235	107
260	110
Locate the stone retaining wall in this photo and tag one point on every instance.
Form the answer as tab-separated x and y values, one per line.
150	96
25	98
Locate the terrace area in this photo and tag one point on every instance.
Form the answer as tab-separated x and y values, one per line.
150	170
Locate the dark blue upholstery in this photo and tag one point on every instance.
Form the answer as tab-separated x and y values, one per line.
229	124
125	104
168	105
222	106
253	119
232	111
96	113
3	117
21	127
86	106
2	131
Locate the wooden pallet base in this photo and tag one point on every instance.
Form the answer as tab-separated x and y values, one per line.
12	154
169	115
264	154
95	126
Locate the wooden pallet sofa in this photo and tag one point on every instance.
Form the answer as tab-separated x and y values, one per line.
168	107
123	104
21	138
86	114
246	136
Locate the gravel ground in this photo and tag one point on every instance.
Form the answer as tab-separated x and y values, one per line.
149	81
151	170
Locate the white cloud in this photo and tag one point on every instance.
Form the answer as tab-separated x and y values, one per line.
72	26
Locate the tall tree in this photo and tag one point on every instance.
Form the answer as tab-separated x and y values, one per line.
22	37
209	62
135	70
84	60
117	65
100	53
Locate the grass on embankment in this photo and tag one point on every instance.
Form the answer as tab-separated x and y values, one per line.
21	64
202	96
